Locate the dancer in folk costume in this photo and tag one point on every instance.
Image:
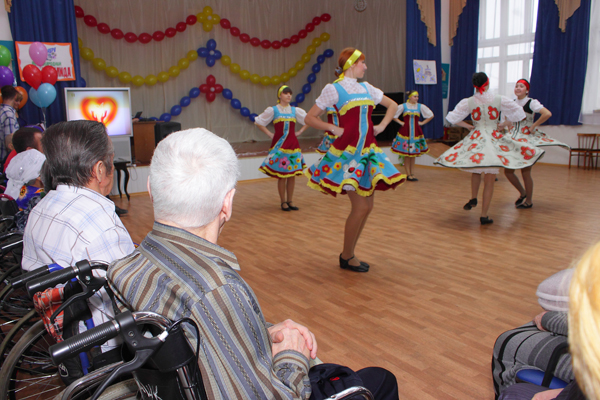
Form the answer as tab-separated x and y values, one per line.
526	131
409	141
485	149
334	119
284	161
354	165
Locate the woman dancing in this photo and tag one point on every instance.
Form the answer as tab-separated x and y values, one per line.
409	141
284	161
485	149
354	165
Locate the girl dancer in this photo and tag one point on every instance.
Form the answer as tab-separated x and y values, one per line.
328	138
409	141
284	161
485	149
354	165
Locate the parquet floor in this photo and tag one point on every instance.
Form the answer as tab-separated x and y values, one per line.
441	287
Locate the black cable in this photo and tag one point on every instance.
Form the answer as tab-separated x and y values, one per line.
193	323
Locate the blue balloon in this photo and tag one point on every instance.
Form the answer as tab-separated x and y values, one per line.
328	53
299	97
82	82
311	78
316	68
306	88
165	117
203	52
194	92
185	101
244	111
211	44
253	117
153	119
46	94
227	94
217	55
176	110
321	59
34	97
235	103
210	61
294	104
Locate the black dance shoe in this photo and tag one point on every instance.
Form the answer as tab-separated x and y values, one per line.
286	208
520	200
294	208
524	205
472	203
344	264
486	220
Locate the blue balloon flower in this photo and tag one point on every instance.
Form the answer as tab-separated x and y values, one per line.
176	110
165	117
235	103
203	52
210	61
217	55
210	52
244	111
185	101
211	44
227	94
194	92
311	78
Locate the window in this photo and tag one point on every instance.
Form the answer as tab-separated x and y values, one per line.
506	42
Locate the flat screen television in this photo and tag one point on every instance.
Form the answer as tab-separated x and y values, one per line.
111	106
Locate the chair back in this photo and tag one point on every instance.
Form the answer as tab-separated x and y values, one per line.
586	140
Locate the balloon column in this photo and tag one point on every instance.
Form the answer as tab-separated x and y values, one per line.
6	75
42	92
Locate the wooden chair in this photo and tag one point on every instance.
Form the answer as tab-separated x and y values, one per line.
585	146
595	152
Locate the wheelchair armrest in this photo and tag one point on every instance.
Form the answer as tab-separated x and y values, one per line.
553	362
351	393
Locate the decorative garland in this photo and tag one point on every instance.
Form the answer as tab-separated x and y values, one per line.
208	19
211	54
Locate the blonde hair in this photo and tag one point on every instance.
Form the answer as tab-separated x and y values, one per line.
584	322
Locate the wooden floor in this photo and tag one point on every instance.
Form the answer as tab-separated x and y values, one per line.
441	287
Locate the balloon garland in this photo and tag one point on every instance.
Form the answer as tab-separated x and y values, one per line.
208	19
211	55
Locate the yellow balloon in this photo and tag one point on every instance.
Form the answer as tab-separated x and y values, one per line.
207	26
254	78
235	68
183	63
300	65
79	42
174	71
137	80
163	76
293	72
125	77
112	72
316	42
99	64
244	74
150	80
225	60
215	19
285	77
305	59
200	17
324	36
275	80
192	55
311	49
207	10
265	80
87	54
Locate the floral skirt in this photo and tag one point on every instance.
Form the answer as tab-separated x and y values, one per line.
521	133
325	144
409	147
361	171
283	163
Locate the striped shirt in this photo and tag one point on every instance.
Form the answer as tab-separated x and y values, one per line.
8	125
177	274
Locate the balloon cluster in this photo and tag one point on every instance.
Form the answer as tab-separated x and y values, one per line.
208	19
6	75
42	92
312	77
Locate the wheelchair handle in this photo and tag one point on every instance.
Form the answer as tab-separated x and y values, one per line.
62	276
21	280
6	247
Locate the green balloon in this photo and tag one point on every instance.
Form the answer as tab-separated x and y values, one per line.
5	56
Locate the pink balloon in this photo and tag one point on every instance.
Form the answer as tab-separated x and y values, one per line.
38	53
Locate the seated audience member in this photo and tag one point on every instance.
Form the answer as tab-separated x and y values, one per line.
28	137
8	116
179	271
75	221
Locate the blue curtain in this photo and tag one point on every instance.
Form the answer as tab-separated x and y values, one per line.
463	54
559	62
419	48
46	21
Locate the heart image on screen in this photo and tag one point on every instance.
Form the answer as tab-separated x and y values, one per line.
101	109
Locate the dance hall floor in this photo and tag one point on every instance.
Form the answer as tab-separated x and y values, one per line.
441	287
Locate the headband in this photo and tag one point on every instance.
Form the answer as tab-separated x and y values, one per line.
524	82
411	93
281	90
480	88
349	62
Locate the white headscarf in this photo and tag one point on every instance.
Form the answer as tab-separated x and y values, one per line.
23	168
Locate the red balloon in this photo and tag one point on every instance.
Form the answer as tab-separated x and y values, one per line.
234	31
255	42
158	36
49	75
79	12
191	19
316	21
295	39
90	20
181	26
244	37
117	33
170	32
218	88
286	42
225	24
325	17
211	80
265	44
302	33
131	37
309	27
276	44
32	75
103	28
204	88
210	97
145	38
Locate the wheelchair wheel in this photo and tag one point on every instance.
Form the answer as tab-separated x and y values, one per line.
14	334
125	390
14	305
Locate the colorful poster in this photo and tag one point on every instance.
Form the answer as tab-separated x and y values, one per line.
445	78
425	72
60	56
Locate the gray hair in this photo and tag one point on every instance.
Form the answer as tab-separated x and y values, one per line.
190	174
73	148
